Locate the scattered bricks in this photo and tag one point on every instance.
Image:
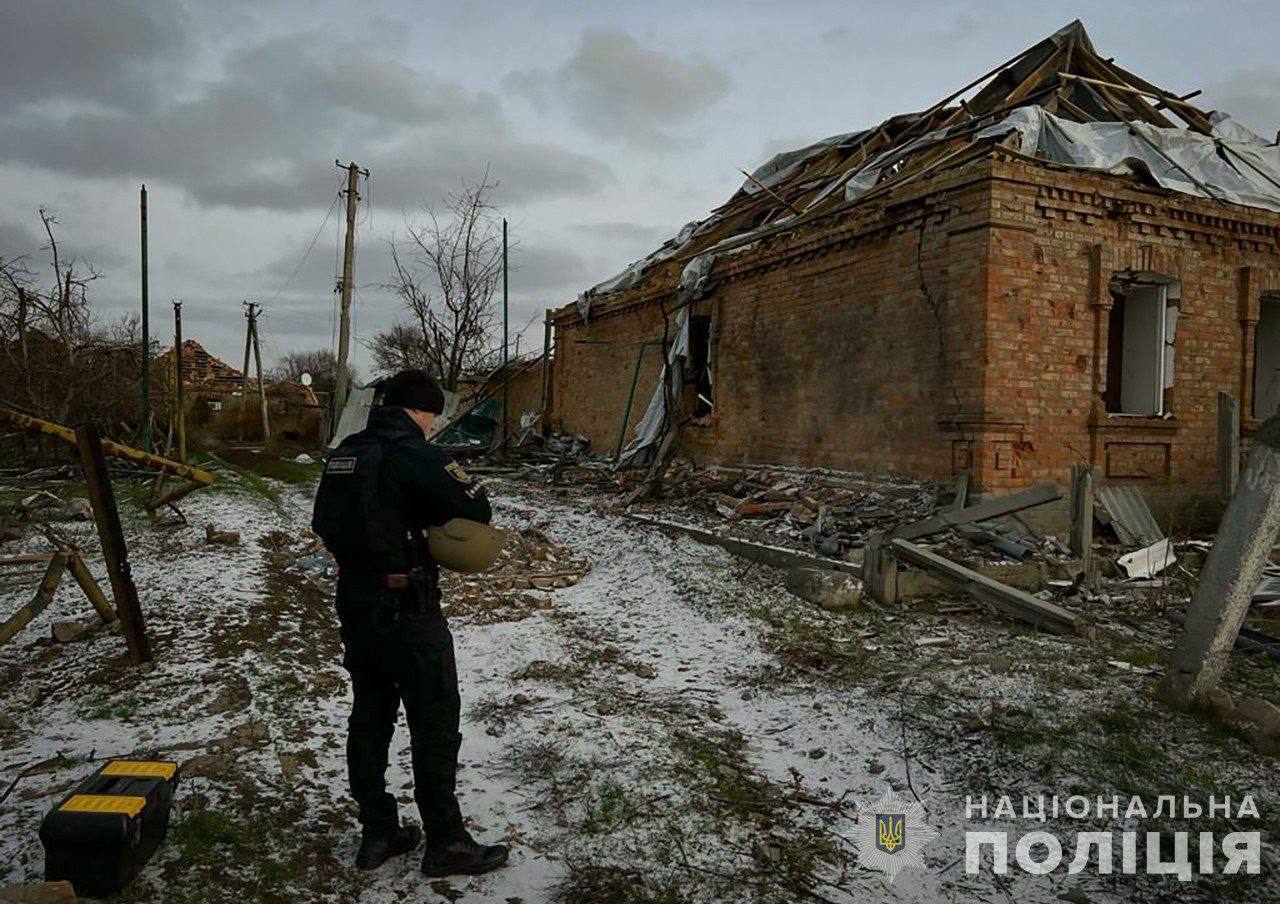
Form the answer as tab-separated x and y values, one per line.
829	590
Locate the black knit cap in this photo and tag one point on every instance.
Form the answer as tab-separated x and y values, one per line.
415	389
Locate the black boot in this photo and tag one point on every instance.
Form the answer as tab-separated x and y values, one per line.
376	848
463	857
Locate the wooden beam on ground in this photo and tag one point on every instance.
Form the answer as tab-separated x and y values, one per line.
172	496
44	596
36	558
1017	603
115	450
1228	444
777	556
93	593
114	551
983	511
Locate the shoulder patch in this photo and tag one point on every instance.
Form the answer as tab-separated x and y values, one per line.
344	465
455	471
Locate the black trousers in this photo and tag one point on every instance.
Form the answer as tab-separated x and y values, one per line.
395	656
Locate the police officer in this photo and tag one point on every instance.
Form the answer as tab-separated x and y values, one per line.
381	489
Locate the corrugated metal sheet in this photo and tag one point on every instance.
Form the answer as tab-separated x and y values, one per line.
1129	515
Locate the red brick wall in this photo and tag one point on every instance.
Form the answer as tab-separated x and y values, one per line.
1062	237
594	366
830	354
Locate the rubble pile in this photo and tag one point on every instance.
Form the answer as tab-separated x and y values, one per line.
517	584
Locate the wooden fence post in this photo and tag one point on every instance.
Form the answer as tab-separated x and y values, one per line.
111	535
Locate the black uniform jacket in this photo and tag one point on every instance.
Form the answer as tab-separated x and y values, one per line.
381	488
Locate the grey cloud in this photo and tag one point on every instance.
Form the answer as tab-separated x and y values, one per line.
621	91
116	54
17	240
624	232
265	135
546	269
1251	96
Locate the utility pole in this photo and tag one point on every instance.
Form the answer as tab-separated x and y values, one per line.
244	374
505	330
180	411
348	275
146	338
257	357
546	371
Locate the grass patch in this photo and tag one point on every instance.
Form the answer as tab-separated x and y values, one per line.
105	705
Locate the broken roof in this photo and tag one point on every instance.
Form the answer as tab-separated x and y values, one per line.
1057	101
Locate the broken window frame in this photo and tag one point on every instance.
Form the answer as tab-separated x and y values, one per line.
1268	303
700	365
1120	343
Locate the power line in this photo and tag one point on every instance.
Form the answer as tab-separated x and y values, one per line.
311	246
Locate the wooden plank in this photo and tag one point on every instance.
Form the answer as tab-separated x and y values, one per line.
1228	444
1020	605
115	450
84	577
114	551
44	596
992	508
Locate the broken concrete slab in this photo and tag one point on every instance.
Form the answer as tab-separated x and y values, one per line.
983	511
829	590
1241	550
1019	604
68	631
1027	576
777	556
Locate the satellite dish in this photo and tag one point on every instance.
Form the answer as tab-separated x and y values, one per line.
305	379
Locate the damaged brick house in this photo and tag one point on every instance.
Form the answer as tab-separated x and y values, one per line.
1061	262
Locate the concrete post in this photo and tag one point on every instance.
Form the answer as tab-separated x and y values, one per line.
1084	478
879	569
1230	575
1228	444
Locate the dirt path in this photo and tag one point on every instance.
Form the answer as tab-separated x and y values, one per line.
673	727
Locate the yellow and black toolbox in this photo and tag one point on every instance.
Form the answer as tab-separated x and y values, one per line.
102	833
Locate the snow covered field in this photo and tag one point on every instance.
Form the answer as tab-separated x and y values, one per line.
673	727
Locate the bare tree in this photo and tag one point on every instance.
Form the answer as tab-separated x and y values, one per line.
446	274
321	363
52	354
400	348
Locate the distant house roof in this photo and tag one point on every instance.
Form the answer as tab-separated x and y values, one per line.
199	367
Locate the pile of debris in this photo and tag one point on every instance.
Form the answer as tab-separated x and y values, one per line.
517	584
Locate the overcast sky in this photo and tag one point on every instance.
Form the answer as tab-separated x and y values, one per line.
608	125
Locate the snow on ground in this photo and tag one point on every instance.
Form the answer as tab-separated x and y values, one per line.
674	727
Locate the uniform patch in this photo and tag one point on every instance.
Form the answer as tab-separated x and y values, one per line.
456	472
341	466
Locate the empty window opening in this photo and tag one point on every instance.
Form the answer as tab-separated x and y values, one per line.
1266	360
701	379
1140	333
